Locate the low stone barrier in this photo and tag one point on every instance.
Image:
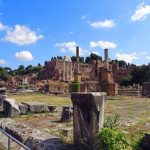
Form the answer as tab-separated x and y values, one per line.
34	139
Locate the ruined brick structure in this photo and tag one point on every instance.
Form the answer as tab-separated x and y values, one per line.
58	74
58	69
118	72
18	81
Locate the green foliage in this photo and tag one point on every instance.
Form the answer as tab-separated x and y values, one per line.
81	59
125	81
75	86
141	74
112	122
4	75
92	57
109	139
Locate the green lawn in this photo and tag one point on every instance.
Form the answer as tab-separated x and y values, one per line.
134	112
42	98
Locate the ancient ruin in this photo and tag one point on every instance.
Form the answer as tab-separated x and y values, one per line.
146	89
88	118
58	75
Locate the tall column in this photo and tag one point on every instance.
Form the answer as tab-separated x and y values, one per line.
77	58
77	67
64	70
88	118
106	58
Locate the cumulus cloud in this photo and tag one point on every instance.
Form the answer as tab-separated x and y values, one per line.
141	12
2	62
129	58
70	47
3	27
24	56
22	35
103	24
103	44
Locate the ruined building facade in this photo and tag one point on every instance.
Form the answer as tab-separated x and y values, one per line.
58	75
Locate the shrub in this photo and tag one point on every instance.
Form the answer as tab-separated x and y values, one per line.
109	139
75	86
112	122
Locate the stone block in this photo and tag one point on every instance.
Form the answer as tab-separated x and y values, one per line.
67	114
10	108
36	107
52	108
88	118
146	142
23	108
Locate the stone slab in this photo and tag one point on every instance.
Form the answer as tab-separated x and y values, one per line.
34	139
23	109
36	107
10	107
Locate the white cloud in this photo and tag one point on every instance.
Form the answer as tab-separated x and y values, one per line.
24	56
3	27
103	24
2	62
129	58
83	17
21	35
103	44
148	57
95	52
70	47
141	12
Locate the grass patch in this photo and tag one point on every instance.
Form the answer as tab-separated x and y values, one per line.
42	98
135	112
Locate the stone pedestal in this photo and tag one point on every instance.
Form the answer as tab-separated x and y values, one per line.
88	118
66	114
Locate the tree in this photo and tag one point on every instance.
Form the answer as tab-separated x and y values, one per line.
21	70
92	57
81	59
46	62
122	64
4	74
125	81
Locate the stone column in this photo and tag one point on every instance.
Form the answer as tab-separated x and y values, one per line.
2	97
77	58
64	70
77	73
88	118
106	58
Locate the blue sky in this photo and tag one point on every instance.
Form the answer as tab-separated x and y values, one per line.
32	31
